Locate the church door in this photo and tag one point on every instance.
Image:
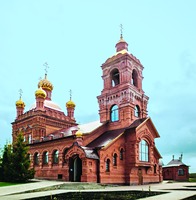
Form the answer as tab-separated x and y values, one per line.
140	177
75	169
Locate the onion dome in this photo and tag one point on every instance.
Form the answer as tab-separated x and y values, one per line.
40	93
20	103
70	104
78	134
45	84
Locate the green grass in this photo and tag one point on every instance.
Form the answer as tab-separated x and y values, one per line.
3	184
192	179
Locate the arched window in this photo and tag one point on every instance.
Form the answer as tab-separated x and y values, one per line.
36	158
115	159
115	77
107	165
45	158
143	151
64	154
134	80
55	157
137	111
114	113
121	154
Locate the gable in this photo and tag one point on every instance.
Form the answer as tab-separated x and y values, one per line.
148	126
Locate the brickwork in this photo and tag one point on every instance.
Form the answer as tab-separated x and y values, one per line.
120	150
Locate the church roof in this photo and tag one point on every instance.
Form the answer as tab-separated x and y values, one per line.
108	136
84	128
105	138
136	123
89	127
49	104
174	163
90	153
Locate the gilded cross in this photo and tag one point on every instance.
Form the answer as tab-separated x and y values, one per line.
20	93
121	29
46	67
70	94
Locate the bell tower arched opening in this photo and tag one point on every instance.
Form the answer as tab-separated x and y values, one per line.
137	111
134	78
115	78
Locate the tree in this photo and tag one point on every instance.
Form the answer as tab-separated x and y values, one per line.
21	161
15	162
6	164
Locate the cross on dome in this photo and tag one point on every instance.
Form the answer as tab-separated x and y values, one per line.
121	31
46	68
70	93
20	93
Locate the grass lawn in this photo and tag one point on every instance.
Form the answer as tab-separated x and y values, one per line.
2	184
192	179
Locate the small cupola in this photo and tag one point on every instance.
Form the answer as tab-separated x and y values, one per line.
20	105
40	93
121	44
70	105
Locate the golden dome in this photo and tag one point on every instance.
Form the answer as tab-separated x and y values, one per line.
70	104
121	40
45	84
20	103
79	134
40	93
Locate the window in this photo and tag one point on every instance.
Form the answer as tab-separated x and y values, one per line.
114	113
115	77
36	158
180	172
64	154
115	159
55	157
29	139
107	165
121	154
134	80
45	158
137	111
143	151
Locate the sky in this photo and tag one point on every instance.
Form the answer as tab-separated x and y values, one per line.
76	37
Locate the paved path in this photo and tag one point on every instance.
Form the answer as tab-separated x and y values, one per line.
10	192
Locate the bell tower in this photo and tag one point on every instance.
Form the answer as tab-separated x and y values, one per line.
122	99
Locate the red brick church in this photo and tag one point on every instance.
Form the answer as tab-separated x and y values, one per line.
119	148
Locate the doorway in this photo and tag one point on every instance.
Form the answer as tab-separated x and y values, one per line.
75	169
140	177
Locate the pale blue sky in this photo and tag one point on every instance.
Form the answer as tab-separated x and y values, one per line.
76	37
